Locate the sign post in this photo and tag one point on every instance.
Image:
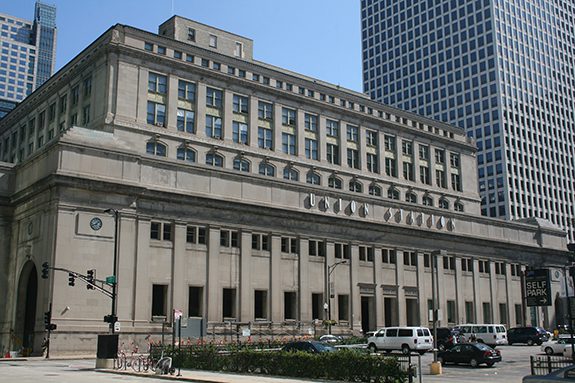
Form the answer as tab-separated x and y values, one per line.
538	287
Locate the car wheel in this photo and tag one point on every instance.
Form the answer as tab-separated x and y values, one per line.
372	348
473	363
405	349
530	342
490	364
549	351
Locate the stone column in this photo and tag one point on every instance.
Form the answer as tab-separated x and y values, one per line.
304	296
246	294
201	111
492	294
227	115
401	304
277	128
378	281
440	297
355	320
253	122
171	103
142	96
179	280
424	293
476	294
300	133
213	285
276	298
459	285
143	288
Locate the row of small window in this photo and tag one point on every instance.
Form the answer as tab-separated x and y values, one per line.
265	168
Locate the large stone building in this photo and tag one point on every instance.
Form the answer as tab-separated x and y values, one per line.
239	188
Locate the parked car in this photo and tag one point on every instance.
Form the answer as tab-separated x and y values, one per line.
470	353
568	351
405	339
490	334
566	375
446	338
556	346
329	338
528	335
311	346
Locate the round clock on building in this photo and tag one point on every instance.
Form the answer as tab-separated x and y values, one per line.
96	223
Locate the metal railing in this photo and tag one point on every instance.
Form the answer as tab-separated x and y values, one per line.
546	364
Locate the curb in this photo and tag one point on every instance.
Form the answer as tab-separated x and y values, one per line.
154	376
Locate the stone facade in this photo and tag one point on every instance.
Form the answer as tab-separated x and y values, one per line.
240	186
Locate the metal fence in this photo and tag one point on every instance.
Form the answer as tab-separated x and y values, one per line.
546	364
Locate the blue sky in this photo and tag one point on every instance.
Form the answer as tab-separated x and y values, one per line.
317	38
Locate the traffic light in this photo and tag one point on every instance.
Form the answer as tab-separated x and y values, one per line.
47	319
90	278
45	269
71	279
110	319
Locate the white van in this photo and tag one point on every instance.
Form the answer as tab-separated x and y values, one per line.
490	334
406	339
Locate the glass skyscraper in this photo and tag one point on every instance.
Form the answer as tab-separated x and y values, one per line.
502	70
27	56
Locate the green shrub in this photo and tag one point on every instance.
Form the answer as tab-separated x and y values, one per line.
344	365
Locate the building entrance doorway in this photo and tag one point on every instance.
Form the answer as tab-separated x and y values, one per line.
412	314
367	314
25	319
390	312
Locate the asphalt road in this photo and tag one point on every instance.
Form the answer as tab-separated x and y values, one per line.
514	366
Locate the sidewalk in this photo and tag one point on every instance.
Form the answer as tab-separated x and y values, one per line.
212	377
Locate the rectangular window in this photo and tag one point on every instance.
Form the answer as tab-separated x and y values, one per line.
410	258
290	305
265	138
352	133
343	307
51	112
161	231
388	256
316	248
332	128
454	160
390	168
240	104
389	142
311	149
185	121
213	127
265	111
440	178
240	132
407	148
213	41
239	49
63	104
214	98
261	242
87	86
260	304
75	95
503	314
157	83
467	264
289	245
186	90
371	138
310	122
456	182
288	117
195	301
288	143
353	158
424	152
486	312
518	315
332	154
439	156
159	300
86	115
408	172
424	175
469	313
372	163
229	304
156	114
317	306
451	312
191	34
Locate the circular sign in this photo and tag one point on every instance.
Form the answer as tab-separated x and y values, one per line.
96	223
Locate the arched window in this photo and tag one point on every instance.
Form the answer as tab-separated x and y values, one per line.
392	193
375	190
313	178
427	200
156	148
458	206
267	169
241	164
334	182
186	154
411	197
443	203
355	186
291	174
214	159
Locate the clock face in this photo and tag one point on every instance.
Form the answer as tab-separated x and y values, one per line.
96	223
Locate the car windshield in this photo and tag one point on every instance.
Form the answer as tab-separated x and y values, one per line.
482	347
322	347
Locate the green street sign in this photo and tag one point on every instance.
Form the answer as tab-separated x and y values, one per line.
111	280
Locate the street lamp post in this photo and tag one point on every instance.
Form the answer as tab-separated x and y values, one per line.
330	270
114	282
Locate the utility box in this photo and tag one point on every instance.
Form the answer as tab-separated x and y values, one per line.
107	346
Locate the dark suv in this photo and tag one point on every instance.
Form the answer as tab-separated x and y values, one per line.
446	338
528	335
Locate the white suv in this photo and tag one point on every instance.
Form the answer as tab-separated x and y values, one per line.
405	339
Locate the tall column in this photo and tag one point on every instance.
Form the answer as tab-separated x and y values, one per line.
142	287
492	296
476	293
424	293
276	298
171	103
246	294
300	133
142	107
277	128
330	260
304	296
378	281
201	110
179	280
355	297
227	116
213	286
401	304
440	297
253	122
459	286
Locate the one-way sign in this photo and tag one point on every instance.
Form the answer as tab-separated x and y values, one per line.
538	287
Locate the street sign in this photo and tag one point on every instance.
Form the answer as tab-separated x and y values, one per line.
117	327
111	279
538	287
